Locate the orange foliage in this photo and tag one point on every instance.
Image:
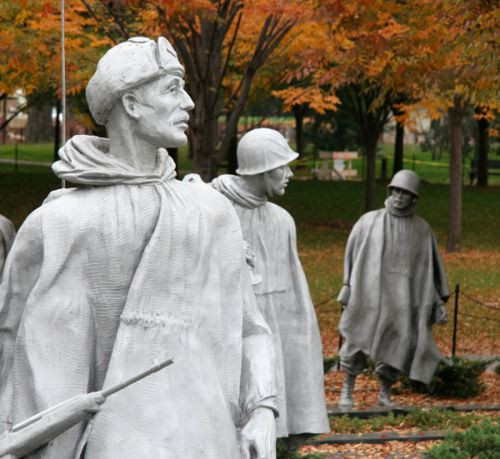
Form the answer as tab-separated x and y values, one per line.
31	46
428	50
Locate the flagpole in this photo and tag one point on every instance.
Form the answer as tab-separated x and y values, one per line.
63	83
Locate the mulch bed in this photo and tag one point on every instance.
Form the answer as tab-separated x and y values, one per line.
366	392
393	449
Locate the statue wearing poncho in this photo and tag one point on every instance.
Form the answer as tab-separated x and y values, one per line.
282	295
7	235
130	267
394	290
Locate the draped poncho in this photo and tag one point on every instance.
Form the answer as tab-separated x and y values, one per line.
284	300
393	281
122	271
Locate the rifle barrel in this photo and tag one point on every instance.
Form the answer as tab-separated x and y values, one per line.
106	392
117	387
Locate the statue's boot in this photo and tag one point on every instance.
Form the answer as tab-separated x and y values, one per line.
346	401
384	396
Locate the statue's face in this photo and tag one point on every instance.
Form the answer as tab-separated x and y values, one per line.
401	199
276	180
163	109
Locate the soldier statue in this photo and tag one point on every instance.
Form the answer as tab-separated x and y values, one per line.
394	290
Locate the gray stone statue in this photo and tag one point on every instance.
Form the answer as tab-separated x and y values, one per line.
281	286
394	290
130	267
7	235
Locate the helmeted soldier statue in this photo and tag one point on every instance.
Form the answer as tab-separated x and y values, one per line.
283	294
394	289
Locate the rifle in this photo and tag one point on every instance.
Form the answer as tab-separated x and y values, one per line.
43	427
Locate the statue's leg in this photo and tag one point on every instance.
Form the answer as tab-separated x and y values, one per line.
387	376
352	367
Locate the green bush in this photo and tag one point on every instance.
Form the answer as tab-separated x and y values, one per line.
481	442
461	379
329	363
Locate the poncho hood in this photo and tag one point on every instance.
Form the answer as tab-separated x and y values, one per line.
232	188
85	160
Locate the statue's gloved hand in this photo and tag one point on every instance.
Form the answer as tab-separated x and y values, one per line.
344	295
93	401
192	178
249	254
441	314
258	436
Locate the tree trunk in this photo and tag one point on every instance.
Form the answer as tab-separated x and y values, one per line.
232	159
39	125
398	148
482	151
57	131
203	162
455	200
371	155
298	111
4	117
203	135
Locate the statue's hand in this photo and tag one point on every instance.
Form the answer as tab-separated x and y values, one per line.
93	401
441	314
249	254
344	294
258	436
192	178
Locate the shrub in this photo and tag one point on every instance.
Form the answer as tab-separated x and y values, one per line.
461	379
481	442
329	363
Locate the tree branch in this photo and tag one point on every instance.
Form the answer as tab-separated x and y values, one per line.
10	118
226	63
100	21
121	27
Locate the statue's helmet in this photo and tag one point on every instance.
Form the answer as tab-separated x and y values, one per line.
406	180
128	65
261	150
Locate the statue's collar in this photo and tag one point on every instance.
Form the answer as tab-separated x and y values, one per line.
85	160
232	187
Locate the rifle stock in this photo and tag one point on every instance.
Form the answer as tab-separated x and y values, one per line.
43	427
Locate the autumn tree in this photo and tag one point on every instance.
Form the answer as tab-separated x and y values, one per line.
30	44
461	70
365	43
222	43
441	55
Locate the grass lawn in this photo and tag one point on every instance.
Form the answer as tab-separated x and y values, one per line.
421	162
44	152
